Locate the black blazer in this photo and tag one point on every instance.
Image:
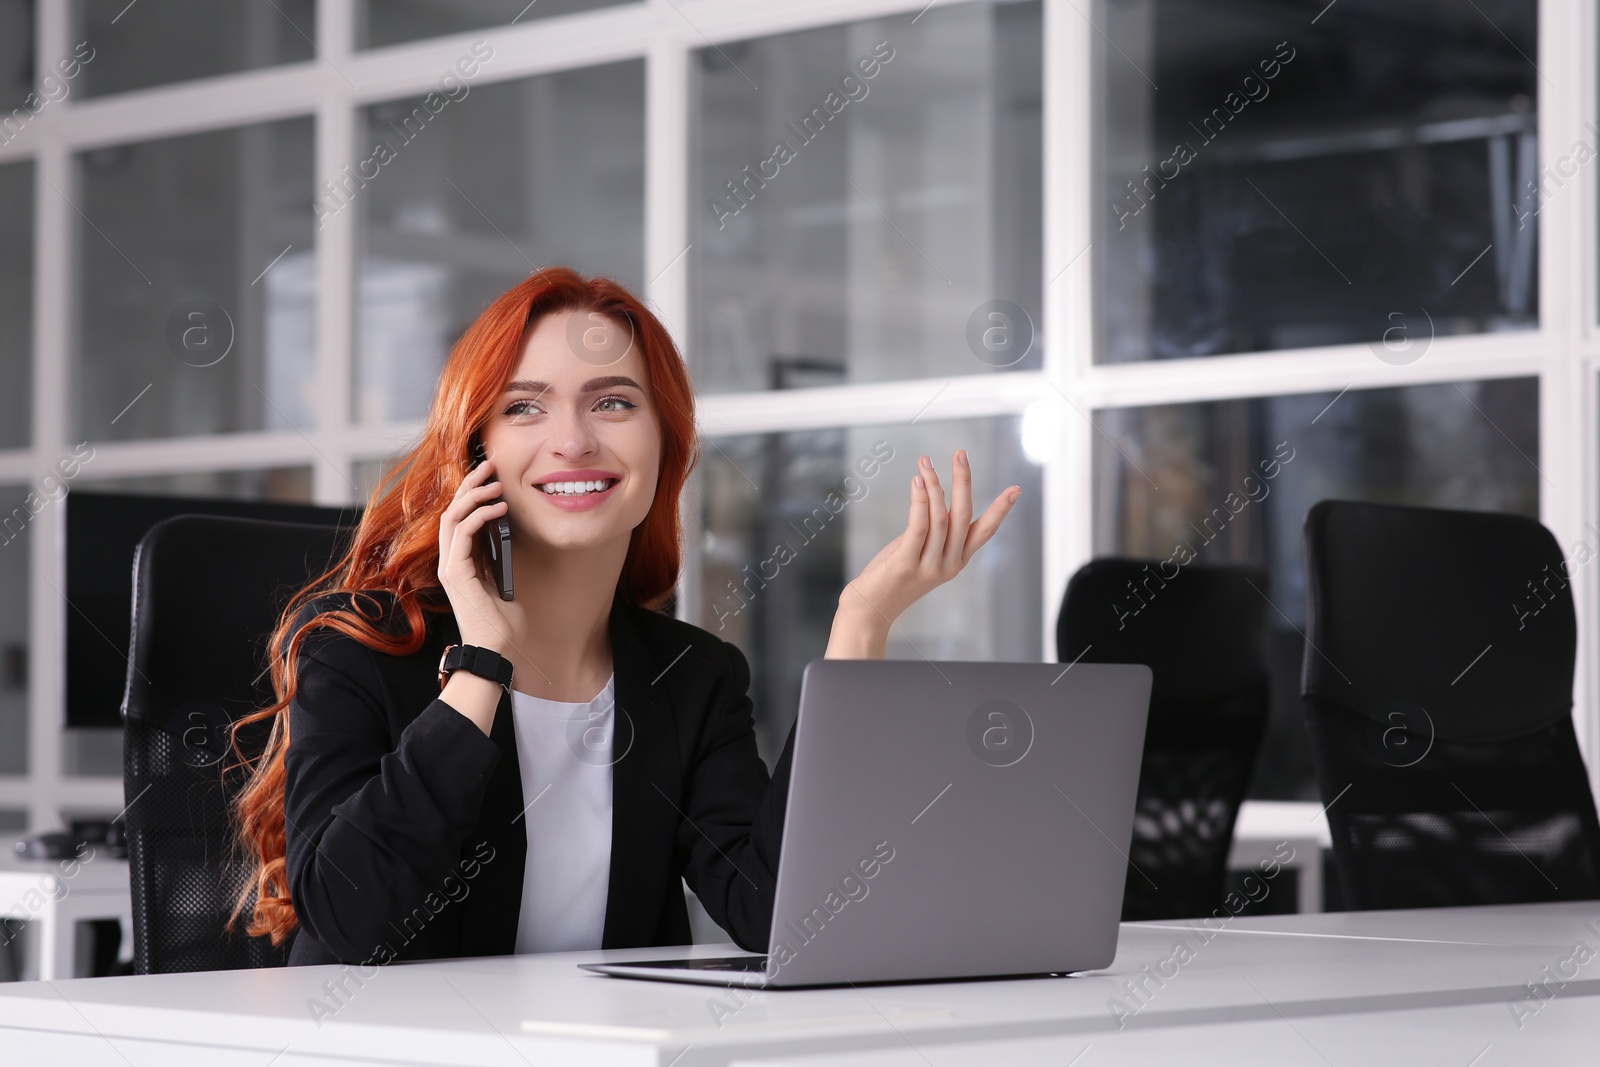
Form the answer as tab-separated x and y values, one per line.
404	839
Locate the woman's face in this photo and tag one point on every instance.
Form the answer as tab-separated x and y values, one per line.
574	437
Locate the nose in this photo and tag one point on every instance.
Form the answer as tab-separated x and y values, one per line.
572	437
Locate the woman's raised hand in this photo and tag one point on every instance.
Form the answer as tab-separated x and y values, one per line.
935	545
476	603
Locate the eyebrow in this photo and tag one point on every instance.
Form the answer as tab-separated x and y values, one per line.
526	385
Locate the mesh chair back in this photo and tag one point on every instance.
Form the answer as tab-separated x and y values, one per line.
207	593
1438	683
1200	632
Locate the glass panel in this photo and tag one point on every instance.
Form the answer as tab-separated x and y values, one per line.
197	305
155	42
1469	445
16	304
773	560
282	485
382	22
92	753
1294	185
874	210
17	22
16	540
475	193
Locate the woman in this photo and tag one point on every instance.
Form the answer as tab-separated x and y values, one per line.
548	788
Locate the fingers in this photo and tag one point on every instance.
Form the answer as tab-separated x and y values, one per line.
989	522
456	544
468	496
938	517
917	522
960	513
474	521
476	476
474	504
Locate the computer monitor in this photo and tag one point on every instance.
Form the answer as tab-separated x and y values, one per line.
102	531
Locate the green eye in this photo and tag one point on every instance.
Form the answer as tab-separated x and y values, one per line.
519	407
615	403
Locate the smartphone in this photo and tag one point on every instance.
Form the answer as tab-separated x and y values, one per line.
497	534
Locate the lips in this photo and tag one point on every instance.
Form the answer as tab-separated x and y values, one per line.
577	490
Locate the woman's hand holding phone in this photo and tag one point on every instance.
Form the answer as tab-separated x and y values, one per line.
483	617
480	614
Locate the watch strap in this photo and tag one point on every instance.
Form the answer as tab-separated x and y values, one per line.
473	659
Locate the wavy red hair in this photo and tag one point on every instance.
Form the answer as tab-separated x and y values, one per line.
396	545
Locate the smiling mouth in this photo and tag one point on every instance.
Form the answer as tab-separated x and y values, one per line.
585	488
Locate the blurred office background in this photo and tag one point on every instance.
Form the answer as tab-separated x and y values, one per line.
1127	252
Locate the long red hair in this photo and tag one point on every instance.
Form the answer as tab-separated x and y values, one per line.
396	545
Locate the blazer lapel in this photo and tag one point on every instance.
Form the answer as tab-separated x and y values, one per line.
644	791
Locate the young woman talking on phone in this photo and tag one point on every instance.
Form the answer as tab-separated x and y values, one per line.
455	774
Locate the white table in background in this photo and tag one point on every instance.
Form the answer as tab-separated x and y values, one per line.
56	895
1282	989
1264	825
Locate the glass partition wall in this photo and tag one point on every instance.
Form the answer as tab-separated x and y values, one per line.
1121	250
1295	184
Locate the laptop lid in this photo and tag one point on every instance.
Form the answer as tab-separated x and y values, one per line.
951	820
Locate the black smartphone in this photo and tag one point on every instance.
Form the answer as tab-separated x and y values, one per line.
496	535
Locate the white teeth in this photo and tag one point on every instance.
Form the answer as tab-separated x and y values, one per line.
574	488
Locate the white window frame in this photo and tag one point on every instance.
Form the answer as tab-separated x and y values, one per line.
1563	353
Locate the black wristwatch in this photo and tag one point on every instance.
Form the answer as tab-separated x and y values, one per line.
483	662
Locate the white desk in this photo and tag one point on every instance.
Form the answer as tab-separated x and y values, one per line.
1415	987
56	895
1478	1035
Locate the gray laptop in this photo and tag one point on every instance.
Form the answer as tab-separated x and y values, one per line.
947	820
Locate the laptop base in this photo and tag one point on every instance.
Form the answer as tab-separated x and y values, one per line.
747	971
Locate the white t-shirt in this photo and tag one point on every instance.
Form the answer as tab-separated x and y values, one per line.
564	754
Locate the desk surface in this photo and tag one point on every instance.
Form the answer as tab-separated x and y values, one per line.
1342	987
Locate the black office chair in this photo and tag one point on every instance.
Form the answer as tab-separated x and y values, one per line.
1200	633
207	593
1438	689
